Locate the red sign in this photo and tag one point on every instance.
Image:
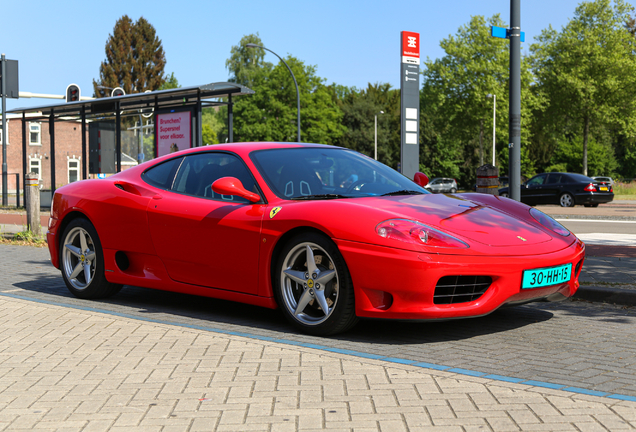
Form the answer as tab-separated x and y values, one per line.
410	44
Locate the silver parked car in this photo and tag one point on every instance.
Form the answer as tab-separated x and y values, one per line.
604	179
442	185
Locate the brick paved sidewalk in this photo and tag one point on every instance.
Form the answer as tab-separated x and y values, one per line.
76	370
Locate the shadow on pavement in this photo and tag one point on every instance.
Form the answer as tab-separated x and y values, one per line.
179	308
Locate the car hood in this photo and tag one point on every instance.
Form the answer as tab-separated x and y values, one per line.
489	225
468	219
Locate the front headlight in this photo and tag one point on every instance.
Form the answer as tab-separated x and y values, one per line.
414	232
549	223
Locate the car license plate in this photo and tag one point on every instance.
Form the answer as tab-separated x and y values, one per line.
603	188
546	276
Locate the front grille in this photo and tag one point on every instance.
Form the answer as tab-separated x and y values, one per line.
460	289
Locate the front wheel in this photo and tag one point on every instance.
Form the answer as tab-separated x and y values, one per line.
82	262
313	287
566	200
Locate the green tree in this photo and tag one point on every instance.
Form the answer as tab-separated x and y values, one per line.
271	113
359	108
211	126
587	72
170	82
247	65
135	59
631	25
456	112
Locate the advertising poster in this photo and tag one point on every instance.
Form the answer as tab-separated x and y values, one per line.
174	132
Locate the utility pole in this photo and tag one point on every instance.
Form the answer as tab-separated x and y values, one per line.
5	138
514	126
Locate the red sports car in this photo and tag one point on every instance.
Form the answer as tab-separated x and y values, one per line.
326	234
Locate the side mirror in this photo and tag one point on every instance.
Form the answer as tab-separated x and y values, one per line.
420	179
233	186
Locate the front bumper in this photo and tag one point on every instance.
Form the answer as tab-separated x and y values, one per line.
399	284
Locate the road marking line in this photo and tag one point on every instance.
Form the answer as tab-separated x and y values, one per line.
595	220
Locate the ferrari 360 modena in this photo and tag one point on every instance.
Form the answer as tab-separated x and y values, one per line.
325	234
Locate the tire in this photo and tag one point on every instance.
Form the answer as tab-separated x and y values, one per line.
566	200
326	282
82	262
504	194
453	190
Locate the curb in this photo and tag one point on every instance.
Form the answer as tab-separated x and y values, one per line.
625	297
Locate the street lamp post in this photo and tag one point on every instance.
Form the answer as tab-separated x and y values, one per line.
376	134
494	120
251	45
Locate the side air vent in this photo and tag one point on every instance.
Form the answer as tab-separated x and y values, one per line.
578	268
460	289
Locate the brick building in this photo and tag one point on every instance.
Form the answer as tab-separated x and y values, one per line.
68	151
68	148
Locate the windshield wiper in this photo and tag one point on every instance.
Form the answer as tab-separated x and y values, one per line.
403	192
318	196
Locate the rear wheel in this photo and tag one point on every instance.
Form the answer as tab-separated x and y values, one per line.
453	190
566	200
82	262
313	287
504	194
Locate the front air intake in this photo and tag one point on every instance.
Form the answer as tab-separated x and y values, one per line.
460	289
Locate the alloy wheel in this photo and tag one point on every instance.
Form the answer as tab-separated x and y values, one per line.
78	258
309	283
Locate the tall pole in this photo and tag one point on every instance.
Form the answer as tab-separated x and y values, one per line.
376	137
514	126
5	138
251	45
494	123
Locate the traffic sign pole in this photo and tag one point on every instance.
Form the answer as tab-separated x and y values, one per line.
514	126
5	191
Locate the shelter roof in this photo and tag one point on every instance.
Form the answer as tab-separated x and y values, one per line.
155	99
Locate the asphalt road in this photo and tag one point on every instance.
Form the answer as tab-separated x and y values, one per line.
586	345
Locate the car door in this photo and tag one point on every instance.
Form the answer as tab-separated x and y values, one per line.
552	189
532	193
204	238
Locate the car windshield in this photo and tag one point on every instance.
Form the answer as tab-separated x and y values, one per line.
325	173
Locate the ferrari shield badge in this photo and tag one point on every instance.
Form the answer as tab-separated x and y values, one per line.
274	212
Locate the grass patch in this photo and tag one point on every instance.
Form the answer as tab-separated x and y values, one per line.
23	238
625	189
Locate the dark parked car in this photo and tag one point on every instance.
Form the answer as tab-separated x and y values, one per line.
565	189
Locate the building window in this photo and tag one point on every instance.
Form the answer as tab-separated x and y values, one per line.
35	166
73	170
34	134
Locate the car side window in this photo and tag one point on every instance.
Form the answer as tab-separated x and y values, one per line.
199	171
536	181
553	179
161	175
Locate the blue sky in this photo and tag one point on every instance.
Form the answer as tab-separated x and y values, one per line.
351	42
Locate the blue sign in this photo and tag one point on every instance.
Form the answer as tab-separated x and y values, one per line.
101	176
504	33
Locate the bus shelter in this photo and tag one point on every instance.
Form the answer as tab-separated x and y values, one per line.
174	116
